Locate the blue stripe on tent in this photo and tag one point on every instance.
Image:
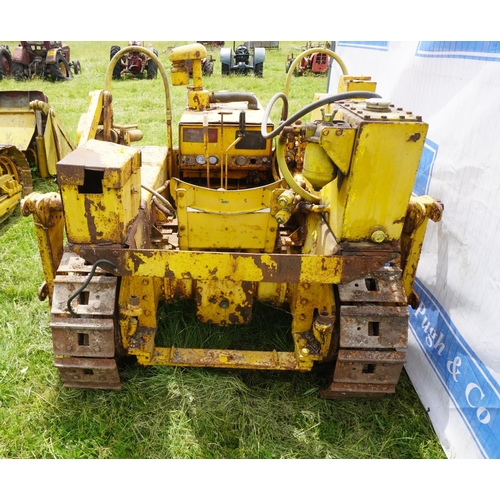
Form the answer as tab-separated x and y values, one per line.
483	51
365	45
474	392
425	168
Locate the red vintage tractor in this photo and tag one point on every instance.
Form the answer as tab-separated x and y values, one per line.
313	62
5	62
134	63
43	59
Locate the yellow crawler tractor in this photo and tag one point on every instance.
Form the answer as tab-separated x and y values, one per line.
322	224
30	138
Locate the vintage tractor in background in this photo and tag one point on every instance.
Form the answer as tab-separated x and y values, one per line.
315	218
207	66
135	62
5	62
31	138
243	61
43	60
313	62
212	44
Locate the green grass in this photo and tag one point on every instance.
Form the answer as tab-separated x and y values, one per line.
175	412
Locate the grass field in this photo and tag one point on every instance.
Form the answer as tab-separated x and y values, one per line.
175	412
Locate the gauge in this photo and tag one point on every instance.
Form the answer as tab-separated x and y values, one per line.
240	160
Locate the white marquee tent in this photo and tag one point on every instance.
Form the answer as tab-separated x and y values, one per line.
454	347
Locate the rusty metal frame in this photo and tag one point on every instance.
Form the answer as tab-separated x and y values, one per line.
275	268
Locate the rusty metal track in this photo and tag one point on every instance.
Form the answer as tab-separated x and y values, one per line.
373	336
84	342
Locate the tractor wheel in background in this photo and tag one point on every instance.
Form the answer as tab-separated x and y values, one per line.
76	67
208	68
259	69
117	70
18	71
5	63
60	71
8	167
225	69
152	68
14	164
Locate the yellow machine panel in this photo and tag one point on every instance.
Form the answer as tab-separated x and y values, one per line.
383	161
104	198
209	219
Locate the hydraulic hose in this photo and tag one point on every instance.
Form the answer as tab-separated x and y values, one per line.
287	175
163	73
361	94
167	204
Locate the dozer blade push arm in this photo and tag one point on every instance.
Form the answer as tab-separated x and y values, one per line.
420	210
49	227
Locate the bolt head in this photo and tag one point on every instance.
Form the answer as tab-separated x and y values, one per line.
378	236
